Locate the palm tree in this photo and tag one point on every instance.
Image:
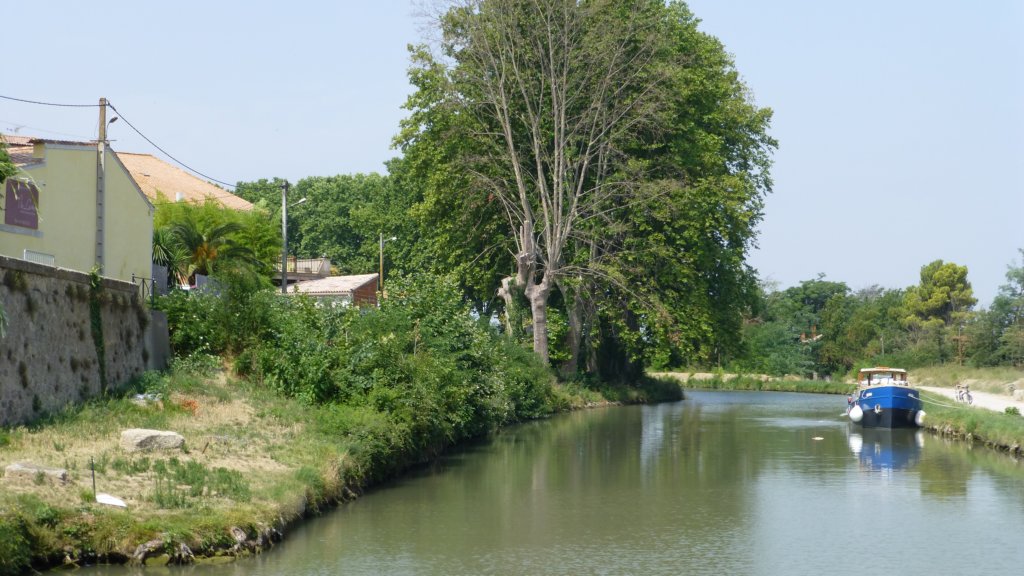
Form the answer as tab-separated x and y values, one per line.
205	244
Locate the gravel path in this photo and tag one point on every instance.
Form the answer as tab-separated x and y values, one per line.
994	402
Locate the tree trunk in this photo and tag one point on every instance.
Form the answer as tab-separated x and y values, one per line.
574	316
538	296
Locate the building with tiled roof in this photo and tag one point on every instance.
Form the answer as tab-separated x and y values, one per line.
360	289
56	211
19	148
157	178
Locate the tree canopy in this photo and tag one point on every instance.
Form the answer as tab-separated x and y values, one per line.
605	154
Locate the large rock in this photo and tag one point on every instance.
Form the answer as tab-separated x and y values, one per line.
35	471
142	440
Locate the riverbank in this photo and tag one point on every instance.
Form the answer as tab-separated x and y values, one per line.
716	381
253	462
986	422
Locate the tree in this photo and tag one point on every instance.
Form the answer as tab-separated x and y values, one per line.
7	167
937	310
197	238
617	147
459	231
556	89
996	336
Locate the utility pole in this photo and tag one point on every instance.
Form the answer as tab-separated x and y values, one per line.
380	277
101	174
284	237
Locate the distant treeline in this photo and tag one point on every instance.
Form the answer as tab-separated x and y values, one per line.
824	327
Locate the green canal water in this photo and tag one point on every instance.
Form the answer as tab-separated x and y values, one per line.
720	483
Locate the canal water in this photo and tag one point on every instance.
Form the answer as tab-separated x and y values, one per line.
721	483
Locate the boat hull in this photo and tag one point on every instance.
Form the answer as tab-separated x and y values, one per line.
889	407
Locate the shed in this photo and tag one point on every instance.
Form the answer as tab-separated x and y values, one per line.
360	289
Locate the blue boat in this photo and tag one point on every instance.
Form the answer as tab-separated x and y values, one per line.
885	399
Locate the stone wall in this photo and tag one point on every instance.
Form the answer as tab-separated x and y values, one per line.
50	356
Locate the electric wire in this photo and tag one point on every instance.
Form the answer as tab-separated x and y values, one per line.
50	103
168	154
137	131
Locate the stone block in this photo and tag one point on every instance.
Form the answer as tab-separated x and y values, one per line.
142	440
28	470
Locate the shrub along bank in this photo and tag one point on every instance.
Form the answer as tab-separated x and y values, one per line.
328	400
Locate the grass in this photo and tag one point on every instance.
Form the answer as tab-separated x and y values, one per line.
752	383
243	446
650	389
1004	431
994	380
252	459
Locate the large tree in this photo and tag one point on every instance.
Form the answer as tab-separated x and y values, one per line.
622	152
558	89
937	310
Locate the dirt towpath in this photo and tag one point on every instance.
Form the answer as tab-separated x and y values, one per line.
989	401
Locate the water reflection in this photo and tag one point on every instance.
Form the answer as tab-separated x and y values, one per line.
886	449
721	483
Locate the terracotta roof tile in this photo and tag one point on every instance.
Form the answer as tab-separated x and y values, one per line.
334	284
19	148
156	177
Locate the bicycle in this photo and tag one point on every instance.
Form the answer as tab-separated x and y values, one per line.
963	394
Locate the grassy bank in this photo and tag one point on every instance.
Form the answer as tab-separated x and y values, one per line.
996	430
254	461
750	383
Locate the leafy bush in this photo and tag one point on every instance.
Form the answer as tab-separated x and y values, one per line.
433	373
15	553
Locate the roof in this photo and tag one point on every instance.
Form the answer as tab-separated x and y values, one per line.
157	177
152	175
20	148
883	369
334	285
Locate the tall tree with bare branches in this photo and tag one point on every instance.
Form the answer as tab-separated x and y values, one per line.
556	89
617	147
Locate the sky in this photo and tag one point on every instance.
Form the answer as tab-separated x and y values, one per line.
900	124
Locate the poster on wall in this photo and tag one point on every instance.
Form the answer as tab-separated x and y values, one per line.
21	203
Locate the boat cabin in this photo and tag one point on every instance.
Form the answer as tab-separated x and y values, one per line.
882	376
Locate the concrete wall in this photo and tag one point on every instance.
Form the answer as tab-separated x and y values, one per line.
49	358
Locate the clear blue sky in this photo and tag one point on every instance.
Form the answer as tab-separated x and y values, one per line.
901	124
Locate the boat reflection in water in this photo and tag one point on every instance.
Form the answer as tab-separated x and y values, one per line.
887	448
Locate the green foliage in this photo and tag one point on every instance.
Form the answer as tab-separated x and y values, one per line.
937	311
15	552
432	373
206	238
1012	411
653	262
178	484
7	167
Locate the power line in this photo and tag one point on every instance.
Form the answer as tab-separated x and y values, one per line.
18	126
168	154
50	103
132	126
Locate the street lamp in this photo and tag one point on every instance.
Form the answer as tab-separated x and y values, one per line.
284	235
380	278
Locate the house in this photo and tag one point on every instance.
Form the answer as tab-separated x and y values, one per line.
358	290
157	179
75	205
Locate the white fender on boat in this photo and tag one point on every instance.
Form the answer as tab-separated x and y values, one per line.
919	418
856	413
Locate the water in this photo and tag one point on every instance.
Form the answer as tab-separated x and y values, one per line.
721	483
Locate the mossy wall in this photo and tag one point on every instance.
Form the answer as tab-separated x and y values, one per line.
50	357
